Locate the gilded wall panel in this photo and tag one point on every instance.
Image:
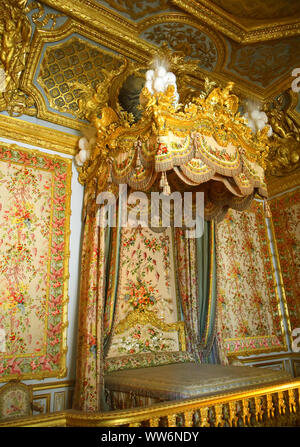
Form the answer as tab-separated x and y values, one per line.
34	251
249	318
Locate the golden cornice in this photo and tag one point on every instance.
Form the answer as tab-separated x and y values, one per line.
278	185
120	35
95	15
241	31
37	135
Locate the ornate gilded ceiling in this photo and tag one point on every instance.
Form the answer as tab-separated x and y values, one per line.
48	47
260	9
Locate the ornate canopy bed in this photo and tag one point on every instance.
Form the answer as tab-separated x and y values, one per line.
148	295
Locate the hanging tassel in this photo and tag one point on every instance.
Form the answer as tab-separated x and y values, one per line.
138	163
162	180
109	180
138	160
167	189
267	209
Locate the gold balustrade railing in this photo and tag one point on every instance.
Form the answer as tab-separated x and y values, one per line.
273	405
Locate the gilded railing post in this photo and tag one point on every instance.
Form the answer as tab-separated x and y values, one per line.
232	414
171	420
246	412
135	424
270	406
219	415
204	417
258	409
281	403
292	401
154	422
188	418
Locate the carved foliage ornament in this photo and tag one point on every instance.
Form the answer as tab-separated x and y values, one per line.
284	153
204	140
15	45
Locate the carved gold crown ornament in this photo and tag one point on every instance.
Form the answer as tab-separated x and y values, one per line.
204	145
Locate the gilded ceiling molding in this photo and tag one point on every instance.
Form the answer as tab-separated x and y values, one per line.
36	135
258	63
183	19
103	26
41	38
260	9
95	15
69	63
239	30
136	10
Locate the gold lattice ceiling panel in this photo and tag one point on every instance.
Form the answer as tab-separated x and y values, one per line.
74	61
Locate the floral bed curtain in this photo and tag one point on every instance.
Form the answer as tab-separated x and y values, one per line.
196	282
196	278
99	272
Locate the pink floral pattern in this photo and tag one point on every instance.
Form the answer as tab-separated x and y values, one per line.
14	403
89	372
34	212
187	281
145	283
286	220
249	319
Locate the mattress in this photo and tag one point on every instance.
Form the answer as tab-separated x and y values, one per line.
188	380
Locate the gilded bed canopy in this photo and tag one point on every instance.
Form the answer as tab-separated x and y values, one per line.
161	144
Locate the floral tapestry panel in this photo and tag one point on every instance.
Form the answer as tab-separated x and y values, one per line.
147	314
34	250
286	226
249	318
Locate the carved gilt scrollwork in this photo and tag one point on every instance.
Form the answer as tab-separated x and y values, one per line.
15	44
284	152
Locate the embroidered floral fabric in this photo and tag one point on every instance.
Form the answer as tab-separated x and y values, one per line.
286	216
146	299
34	231
249	319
